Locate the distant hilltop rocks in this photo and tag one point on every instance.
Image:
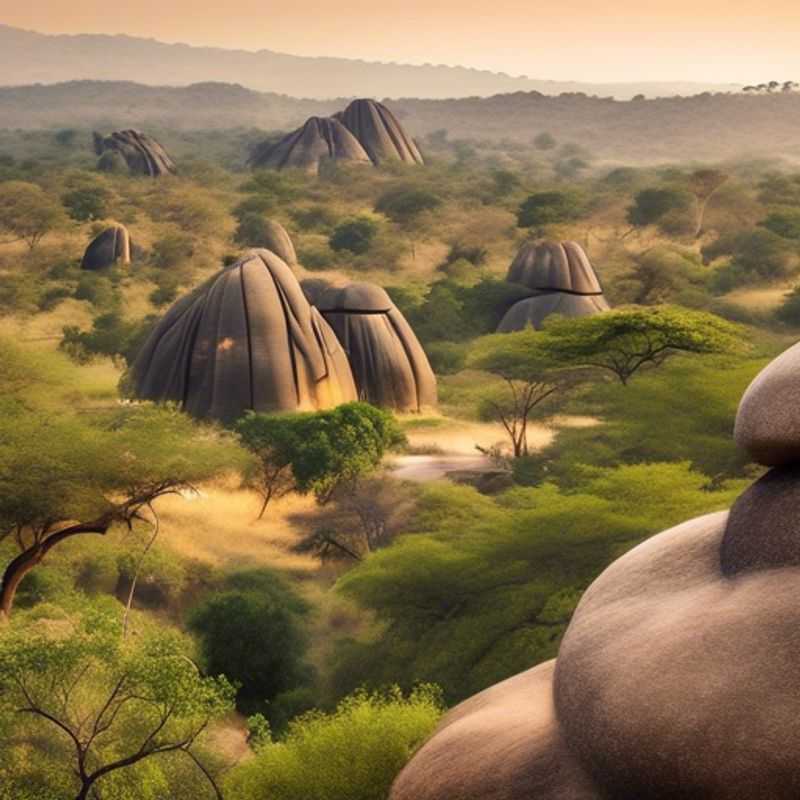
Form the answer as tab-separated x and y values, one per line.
319	139
563	282
111	246
389	366
677	676
142	154
246	339
366	132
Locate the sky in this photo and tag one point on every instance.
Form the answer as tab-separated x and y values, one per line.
740	41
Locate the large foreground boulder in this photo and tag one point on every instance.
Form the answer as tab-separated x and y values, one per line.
320	139
389	365
246	339
143	155
677	676
279	242
563	282
111	246
380	132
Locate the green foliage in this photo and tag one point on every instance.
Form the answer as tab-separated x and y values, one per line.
785	223
494	582
87	203
171	249
252	632
405	203
353	753
110	335
548	208
652	205
28	213
665	275
544	141
789	310
354	235
99	712
625	340
99	290
252	231
326	449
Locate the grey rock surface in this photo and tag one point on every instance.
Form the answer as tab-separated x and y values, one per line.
380	132
280	243
389	365
554	267
533	311
246	339
111	246
142	153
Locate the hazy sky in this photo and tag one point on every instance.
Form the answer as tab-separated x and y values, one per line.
717	40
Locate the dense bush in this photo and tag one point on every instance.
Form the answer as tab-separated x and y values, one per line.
354	235
352	754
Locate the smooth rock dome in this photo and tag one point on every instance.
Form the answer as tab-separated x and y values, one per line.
379	132
768	420
318	140
389	366
142	153
554	267
279	242
676	678
107	248
246	339
533	311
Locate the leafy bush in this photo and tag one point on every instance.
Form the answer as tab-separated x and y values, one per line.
547	208
354	235
252	632
352	754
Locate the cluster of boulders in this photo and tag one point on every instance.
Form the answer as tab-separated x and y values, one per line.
366	132
249	338
139	153
562	281
677	676
109	247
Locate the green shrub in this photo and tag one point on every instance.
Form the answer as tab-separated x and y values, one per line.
354	235
352	754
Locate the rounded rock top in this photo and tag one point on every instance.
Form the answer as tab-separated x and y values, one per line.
554	267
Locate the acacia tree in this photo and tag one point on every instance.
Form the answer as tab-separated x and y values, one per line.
64	476
113	703
28	213
626	340
703	184
405	205
532	381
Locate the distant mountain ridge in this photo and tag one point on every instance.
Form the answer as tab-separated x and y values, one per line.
27	57
707	126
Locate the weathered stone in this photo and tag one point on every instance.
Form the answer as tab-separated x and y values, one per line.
389	365
111	246
763	530
320	139
246	339
279	242
768	420
379	132
502	744
143	154
554	267
532	312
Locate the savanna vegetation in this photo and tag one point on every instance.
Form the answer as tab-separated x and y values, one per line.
271	611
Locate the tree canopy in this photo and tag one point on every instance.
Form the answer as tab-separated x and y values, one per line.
28	213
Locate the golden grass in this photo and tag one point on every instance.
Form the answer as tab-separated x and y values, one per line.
759	298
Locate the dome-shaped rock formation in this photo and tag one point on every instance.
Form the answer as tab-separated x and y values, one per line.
142	153
111	246
533	311
562	280
389	365
554	267
379	132
314	288
319	140
279	242
677	676
246	339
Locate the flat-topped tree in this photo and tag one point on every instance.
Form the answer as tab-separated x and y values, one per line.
627	340
66	476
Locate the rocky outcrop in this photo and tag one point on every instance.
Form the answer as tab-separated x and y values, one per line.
380	132
142	154
562	280
366	132
677	676
389	365
320	139
279	242
110	247
246	339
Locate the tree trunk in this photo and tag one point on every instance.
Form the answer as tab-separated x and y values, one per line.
13	576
